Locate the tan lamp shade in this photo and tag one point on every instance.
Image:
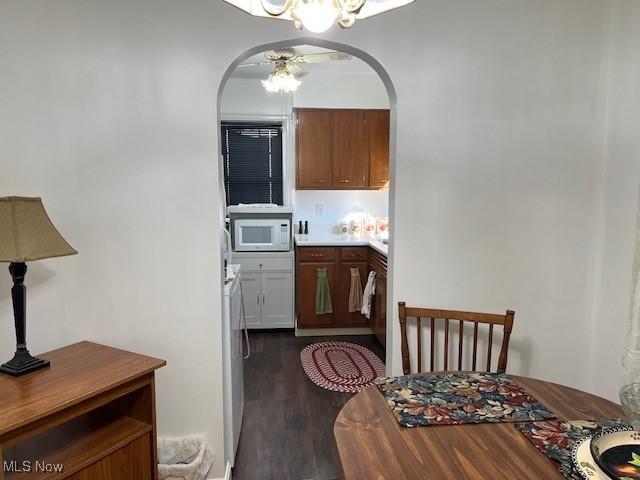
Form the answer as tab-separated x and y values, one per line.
26	232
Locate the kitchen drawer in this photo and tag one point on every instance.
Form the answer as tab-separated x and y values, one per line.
353	254
260	264
312	254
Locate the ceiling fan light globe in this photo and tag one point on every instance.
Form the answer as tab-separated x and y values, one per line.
317	16
281	82
269	86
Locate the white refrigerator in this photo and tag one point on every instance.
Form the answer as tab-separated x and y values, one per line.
233	331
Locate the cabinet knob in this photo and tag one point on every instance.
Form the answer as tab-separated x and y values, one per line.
343	181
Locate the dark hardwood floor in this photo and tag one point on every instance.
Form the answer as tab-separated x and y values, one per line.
287	430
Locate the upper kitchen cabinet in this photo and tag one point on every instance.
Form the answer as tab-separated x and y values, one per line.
350	159
342	149
379	125
314	149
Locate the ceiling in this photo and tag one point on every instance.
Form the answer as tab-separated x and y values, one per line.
347	67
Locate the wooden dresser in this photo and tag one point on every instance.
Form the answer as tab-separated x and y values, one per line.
90	416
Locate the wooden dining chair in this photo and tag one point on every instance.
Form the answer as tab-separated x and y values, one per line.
477	319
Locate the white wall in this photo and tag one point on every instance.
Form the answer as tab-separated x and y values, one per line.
619	206
108	111
495	203
318	90
336	205
245	96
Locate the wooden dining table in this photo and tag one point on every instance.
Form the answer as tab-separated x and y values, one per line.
374	446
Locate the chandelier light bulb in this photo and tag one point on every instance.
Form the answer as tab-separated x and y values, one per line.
317	16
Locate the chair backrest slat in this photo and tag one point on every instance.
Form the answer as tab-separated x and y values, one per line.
475	345
419	345
508	327
460	339
489	347
404	347
433	343
446	344
490	319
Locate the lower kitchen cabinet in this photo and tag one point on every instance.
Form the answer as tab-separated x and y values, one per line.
267	289
251	296
378	264
277	299
338	262
345	318
307	281
379	310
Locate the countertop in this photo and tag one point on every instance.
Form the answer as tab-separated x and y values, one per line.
333	240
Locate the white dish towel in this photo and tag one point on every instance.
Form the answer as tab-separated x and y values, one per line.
369	292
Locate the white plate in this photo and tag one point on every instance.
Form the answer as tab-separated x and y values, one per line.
584	462
619	437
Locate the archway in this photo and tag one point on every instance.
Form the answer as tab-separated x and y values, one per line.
391	346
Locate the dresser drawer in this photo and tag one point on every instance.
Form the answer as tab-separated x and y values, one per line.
313	254
354	254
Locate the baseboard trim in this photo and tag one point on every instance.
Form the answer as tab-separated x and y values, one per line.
326	332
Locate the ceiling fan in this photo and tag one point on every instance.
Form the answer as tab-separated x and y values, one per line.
287	73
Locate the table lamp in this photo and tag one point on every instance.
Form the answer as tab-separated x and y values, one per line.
26	234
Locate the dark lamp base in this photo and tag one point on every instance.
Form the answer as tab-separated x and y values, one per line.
23	363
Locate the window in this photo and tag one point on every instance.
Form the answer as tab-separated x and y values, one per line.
252	154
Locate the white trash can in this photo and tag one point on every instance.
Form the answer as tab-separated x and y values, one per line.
184	459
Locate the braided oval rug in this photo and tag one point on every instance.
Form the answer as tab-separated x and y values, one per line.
341	366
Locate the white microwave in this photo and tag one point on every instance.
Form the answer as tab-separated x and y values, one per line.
262	234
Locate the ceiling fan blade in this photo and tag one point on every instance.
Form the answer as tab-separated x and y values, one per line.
257	64
322	57
296	71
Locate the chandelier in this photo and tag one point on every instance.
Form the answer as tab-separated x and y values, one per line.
281	80
318	15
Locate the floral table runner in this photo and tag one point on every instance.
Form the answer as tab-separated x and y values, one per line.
460	398
556	438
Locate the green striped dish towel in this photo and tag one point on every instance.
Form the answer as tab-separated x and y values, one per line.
323	293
